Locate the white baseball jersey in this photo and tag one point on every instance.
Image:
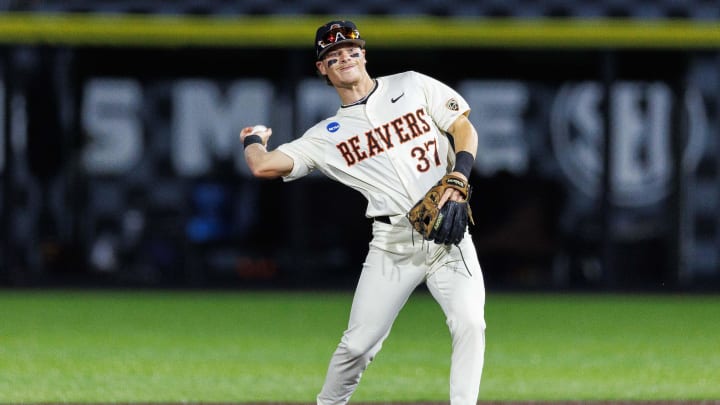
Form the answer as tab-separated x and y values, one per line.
392	148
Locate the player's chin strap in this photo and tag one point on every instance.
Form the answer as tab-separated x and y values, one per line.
412	233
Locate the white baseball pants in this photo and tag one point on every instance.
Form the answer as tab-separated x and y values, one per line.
395	266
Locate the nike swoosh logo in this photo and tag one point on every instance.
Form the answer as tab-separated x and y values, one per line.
393	100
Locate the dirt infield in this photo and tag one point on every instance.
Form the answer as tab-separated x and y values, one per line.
668	402
665	402
608	402
563	403
604	402
684	402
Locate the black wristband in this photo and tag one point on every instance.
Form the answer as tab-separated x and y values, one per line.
251	139
464	162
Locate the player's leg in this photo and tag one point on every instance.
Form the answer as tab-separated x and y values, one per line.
380	294
462	298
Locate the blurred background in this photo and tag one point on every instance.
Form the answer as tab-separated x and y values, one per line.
598	123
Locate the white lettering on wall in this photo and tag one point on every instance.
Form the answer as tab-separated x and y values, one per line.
206	117
2	127
497	114
206	123
641	125
641	154
111	122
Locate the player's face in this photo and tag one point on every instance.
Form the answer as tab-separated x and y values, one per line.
343	65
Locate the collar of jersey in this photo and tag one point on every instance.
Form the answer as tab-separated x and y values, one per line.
364	99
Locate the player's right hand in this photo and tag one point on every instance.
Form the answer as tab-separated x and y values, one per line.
264	134
452	194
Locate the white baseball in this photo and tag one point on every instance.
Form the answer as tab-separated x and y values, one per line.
259	128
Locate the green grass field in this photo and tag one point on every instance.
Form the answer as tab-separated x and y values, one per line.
91	346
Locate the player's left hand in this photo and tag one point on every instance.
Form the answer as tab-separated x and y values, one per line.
447	224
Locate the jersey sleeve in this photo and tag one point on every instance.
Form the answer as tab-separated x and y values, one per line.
301	152
445	104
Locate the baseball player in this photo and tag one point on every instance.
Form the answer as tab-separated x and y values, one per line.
392	139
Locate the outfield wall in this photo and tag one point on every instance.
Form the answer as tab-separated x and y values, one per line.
597	166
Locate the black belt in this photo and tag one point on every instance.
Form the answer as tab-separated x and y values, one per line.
384	219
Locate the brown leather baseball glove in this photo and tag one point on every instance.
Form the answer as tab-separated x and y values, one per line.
448	224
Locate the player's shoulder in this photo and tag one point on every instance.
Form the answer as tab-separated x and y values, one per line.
402	76
323	127
410	76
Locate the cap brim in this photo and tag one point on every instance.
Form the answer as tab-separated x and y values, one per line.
359	42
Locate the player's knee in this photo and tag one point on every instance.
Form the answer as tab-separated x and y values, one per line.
358	351
468	323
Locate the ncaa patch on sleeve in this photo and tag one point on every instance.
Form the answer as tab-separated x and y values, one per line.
333	126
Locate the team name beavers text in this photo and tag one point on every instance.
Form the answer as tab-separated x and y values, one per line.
405	128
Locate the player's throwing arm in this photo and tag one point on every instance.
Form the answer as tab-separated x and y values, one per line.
263	164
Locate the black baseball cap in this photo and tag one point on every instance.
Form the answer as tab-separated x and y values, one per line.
336	32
